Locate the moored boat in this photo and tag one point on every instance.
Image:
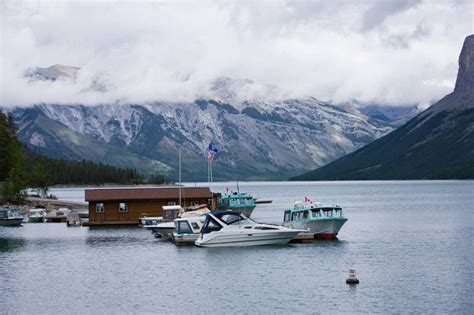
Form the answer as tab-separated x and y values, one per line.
242	202
165	228
56	216
187	229
323	222
36	215
227	228
10	217
149	222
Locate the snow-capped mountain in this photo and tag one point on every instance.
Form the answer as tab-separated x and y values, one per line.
52	73
257	139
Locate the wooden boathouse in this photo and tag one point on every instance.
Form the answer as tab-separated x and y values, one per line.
125	206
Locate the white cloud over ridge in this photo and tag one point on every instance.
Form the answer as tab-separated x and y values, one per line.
385	52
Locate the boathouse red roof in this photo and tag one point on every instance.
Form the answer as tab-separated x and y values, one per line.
146	193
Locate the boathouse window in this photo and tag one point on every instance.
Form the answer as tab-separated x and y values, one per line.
171	203
99	207
195	203
123	207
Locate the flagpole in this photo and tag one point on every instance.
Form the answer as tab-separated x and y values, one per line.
180	176
211	167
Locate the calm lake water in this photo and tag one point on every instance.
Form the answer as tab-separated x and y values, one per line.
411	243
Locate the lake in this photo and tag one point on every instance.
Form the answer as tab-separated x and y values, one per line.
410	241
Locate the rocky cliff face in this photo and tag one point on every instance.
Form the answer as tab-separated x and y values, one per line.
257	139
465	79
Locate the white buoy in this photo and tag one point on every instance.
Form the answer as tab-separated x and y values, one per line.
352	277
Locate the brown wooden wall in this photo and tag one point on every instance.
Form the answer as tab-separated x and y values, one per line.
136	208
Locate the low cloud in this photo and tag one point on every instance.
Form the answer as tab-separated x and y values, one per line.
385	52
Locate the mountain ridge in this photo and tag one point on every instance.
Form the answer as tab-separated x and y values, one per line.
260	140
437	143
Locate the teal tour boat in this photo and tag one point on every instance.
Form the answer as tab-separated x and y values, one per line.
323	222
242	202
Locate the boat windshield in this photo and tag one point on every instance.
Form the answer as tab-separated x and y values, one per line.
232	218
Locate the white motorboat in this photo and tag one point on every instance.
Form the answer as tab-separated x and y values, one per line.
165	229
187	229
10	217
170	213
36	215
149	222
231	228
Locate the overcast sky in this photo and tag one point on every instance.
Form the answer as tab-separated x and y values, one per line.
386	52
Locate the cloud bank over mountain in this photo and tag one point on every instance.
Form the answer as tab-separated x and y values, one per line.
386	52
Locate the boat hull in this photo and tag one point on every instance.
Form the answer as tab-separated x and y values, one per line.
11	222
320	228
245	238
185	239
35	219
164	230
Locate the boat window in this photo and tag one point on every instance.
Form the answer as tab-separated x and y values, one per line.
183	227
294	216
195	226
3	215
123	206
233	202
328	212
99	207
231	218
338	212
169	215
242	201
305	214
316	213
210	225
265	228
287	216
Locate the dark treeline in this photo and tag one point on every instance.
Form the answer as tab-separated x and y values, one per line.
21	168
83	172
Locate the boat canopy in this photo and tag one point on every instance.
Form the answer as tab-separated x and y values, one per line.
175	207
216	217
